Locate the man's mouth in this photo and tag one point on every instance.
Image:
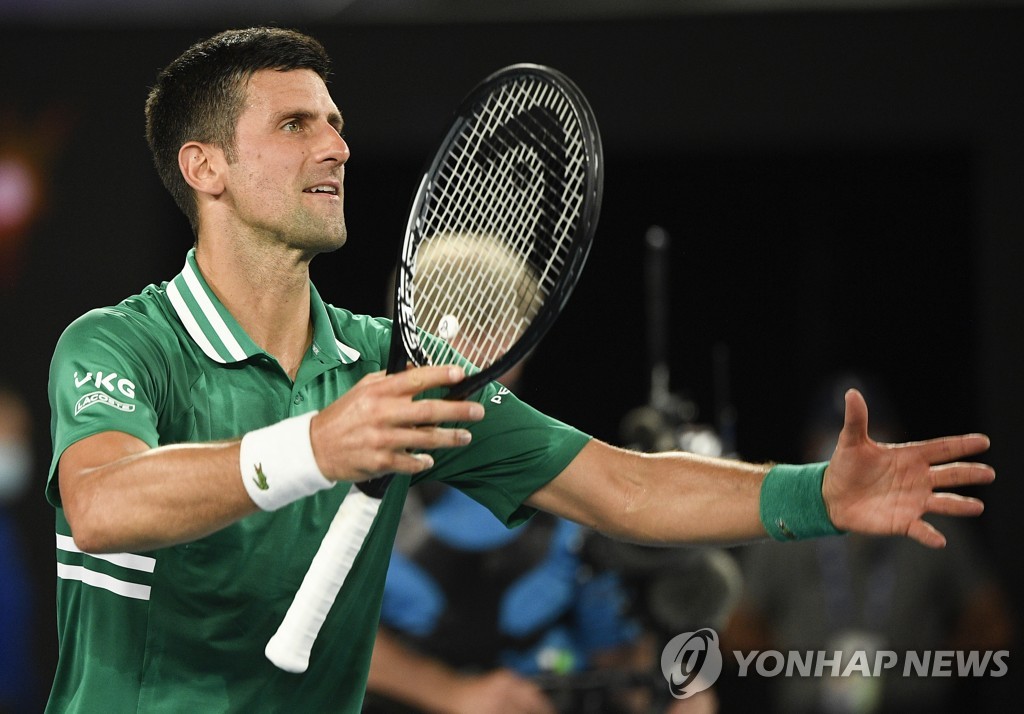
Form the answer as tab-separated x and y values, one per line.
323	188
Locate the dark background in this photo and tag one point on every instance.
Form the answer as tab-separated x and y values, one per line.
843	191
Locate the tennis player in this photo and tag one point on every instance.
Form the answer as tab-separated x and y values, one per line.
201	428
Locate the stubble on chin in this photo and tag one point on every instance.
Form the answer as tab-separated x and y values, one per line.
317	234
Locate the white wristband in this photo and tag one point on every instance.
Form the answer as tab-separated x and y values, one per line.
278	465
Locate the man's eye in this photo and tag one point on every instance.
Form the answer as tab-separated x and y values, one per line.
292	126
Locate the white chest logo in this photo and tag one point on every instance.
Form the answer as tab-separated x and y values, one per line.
104	386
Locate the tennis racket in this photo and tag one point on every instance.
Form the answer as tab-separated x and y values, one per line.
497	236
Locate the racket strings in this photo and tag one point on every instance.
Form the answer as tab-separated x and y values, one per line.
499	113
498	222
561	140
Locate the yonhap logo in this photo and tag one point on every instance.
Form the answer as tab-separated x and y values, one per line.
691	662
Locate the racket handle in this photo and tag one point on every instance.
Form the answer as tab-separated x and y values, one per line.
290	646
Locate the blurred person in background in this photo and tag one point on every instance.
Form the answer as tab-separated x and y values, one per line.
473	611
480	618
867	594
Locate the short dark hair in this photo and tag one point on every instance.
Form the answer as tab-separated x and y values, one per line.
200	95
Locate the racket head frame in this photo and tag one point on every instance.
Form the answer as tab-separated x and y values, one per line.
405	342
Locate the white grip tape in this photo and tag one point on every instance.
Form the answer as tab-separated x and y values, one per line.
278	465
290	646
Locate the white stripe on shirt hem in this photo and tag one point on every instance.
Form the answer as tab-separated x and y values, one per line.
125	560
106	582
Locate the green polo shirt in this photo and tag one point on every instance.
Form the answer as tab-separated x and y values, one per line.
183	628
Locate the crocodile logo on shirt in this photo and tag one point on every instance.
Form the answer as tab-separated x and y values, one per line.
261	478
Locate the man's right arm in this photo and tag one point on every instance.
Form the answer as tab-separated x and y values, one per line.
120	495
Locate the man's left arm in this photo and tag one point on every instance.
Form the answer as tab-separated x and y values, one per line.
669	498
679	498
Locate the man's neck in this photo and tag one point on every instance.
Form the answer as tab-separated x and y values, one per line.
267	292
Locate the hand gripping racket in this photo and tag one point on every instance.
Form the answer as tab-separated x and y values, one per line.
498	233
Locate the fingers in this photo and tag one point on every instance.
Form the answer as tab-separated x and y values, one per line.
953	504
396	451
436	411
926	534
397	391
886	488
942	504
951	448
427	438
420	379
378	426
401	462
961	474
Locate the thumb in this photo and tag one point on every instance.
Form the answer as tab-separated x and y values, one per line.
855	423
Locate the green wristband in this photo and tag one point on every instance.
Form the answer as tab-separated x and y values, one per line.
792	507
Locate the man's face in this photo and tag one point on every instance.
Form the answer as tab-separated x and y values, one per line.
286	183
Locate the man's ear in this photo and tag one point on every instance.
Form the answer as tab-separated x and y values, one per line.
202	166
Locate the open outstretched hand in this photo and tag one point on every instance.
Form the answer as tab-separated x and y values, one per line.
885	489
